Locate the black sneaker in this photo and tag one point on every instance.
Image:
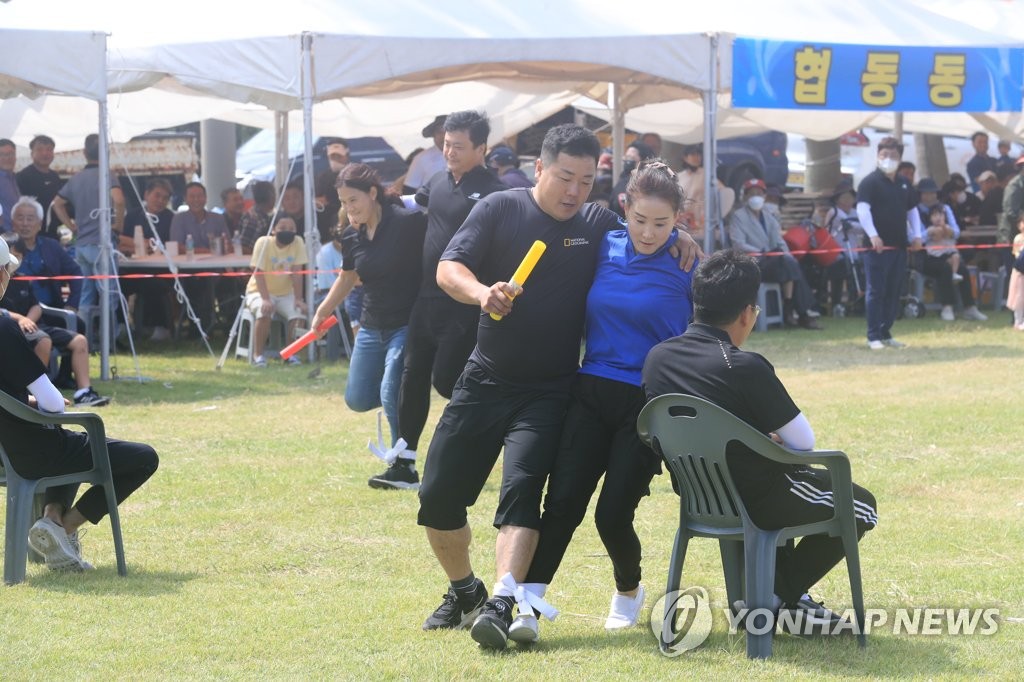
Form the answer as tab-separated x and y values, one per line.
808	618
401	474
91	399
456	614
490	629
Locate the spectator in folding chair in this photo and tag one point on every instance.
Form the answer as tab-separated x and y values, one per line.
707	362
38	451
276	285
20	304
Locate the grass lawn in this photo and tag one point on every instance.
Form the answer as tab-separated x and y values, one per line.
258	551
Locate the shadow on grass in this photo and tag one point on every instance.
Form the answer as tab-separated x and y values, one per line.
203	386
931	656
105	581
829	357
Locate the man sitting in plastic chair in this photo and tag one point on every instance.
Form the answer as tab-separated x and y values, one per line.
37	450
707	362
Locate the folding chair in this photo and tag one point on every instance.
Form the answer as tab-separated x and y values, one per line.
691	435
21	492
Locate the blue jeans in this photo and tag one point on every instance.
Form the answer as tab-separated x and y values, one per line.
885	273
375	373
88	258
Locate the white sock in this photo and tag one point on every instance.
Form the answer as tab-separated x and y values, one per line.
409	455
82	391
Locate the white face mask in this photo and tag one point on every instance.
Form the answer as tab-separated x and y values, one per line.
888	165
756	202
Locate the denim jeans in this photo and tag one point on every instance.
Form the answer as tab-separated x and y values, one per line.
885	273
375	373
88	258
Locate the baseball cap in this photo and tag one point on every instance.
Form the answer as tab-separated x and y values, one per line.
434	125
503	154
6	258
927	185
755	182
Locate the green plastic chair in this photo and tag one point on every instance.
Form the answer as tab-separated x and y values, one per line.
691	435
21	492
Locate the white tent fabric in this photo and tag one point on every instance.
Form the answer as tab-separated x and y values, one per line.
399	118
39	61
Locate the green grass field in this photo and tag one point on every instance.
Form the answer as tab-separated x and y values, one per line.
258	551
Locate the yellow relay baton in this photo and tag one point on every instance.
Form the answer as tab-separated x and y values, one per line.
525	268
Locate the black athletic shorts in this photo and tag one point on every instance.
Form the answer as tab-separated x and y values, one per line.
482	417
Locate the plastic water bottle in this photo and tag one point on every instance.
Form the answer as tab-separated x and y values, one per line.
140	242
190	248
236	243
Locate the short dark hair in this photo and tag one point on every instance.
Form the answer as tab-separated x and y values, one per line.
476	124
92	147
195	184
41	139
643	150
890	142
980	133
4	142
263	192
294	184
161	183
654	178
570	139
939	209
284	216
904	165
724	284
228	192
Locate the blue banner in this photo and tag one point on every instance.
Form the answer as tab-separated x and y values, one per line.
806	75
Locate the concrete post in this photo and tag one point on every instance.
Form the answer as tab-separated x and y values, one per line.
930	153
823	169
217	155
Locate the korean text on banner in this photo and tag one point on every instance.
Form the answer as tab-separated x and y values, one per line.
801	75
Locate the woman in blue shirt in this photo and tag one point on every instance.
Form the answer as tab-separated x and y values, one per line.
639	298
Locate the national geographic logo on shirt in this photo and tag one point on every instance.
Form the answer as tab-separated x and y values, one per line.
575	241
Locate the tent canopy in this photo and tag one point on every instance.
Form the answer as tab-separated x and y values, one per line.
72	63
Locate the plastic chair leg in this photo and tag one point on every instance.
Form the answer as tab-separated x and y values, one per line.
856	592
675	576
115	527
732	567
759	551
19	516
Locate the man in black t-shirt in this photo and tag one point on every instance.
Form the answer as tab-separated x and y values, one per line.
706	362
442	331
515	388
886	210
39	181
38	450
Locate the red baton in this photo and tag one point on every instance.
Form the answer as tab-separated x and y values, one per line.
307	338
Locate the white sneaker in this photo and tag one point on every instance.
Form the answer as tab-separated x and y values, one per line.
624	611
893	343
50	540
876	345
524	629
259	361
947	313
973	313
957	277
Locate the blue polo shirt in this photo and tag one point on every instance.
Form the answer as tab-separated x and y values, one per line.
635	303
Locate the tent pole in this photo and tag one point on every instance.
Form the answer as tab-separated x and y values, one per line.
618	131
710	96
281	150
312	236
105	246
